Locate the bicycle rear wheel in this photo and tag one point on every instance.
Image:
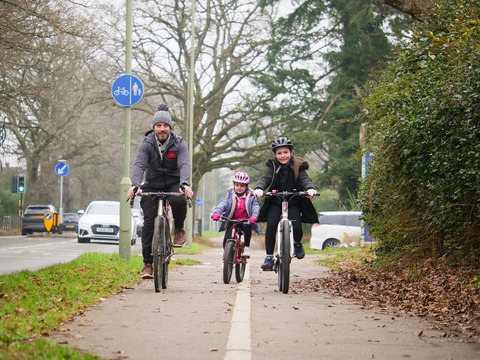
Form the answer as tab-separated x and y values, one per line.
228	260
240	268
158	250
284	267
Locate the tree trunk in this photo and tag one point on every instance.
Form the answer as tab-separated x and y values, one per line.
415	8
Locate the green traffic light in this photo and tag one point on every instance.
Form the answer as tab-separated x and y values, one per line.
21	183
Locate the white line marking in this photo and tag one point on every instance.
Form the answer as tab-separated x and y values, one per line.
239	338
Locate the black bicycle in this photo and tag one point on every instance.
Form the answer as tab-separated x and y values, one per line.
162	244
232	254
284	244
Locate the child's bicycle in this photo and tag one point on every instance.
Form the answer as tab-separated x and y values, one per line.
284	245
162	244
232	254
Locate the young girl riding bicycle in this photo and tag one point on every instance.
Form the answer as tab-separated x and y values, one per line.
239	204
285	173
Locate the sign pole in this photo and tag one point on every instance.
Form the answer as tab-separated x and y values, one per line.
191	77
61	196
61	170
125	211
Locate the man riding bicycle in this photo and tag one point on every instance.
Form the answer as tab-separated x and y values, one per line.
164	160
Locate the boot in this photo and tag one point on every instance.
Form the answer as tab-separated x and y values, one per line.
179	239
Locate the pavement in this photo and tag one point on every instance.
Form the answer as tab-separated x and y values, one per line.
200	317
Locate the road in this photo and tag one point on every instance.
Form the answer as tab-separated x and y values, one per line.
37	251
200	317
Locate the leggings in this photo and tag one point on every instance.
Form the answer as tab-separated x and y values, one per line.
273	218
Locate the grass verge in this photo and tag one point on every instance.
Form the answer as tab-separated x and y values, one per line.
34	303
197	248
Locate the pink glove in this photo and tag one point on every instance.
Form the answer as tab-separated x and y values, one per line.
215	216
253	219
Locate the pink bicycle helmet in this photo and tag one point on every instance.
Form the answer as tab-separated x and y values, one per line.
241	177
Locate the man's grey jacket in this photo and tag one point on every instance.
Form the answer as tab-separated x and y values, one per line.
161	172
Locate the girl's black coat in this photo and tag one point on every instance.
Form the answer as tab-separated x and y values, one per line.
300	182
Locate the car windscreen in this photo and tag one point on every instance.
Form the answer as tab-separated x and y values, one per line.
37	210
70	216
104	208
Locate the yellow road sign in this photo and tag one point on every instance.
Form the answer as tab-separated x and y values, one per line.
48	220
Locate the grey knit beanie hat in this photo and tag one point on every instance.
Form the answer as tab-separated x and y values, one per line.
162	116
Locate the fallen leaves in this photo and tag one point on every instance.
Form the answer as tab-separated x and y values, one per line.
449	296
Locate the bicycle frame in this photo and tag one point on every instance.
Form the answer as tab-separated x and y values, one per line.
236	237
284	217
285	243
233	251
162	245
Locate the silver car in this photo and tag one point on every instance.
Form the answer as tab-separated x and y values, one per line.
101	221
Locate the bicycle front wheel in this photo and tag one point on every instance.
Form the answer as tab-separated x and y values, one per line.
228	261
240	268
159	258
284	267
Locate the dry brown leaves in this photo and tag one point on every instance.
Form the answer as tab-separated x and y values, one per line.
433	290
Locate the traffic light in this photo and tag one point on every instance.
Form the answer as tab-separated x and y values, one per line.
21	183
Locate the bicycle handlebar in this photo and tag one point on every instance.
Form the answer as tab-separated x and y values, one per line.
163	194
286	193
243	221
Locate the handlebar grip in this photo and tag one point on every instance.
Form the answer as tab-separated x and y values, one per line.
132	199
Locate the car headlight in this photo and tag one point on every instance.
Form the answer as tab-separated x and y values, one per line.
84	224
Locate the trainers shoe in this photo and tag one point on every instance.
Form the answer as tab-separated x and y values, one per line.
179	239
268	263
147	272
246	252
299	252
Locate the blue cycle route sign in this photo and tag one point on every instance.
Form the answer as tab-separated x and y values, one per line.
127	90
61	169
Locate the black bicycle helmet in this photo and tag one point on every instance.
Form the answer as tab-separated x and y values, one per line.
281	142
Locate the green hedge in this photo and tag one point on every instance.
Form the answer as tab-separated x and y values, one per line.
422	120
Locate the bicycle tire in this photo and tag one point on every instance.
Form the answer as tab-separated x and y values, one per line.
284	268
228	260
240	267
168	252
158	245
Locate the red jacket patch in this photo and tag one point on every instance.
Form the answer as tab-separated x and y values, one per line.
171	155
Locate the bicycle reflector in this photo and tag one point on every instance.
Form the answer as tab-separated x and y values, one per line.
21	183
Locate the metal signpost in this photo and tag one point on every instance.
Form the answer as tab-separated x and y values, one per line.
127	90
61	170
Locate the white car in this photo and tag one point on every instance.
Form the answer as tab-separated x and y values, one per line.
101	221
138	216
336	227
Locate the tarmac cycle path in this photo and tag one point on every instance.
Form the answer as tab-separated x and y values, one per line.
200	317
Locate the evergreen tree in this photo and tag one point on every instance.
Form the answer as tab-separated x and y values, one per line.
335	46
